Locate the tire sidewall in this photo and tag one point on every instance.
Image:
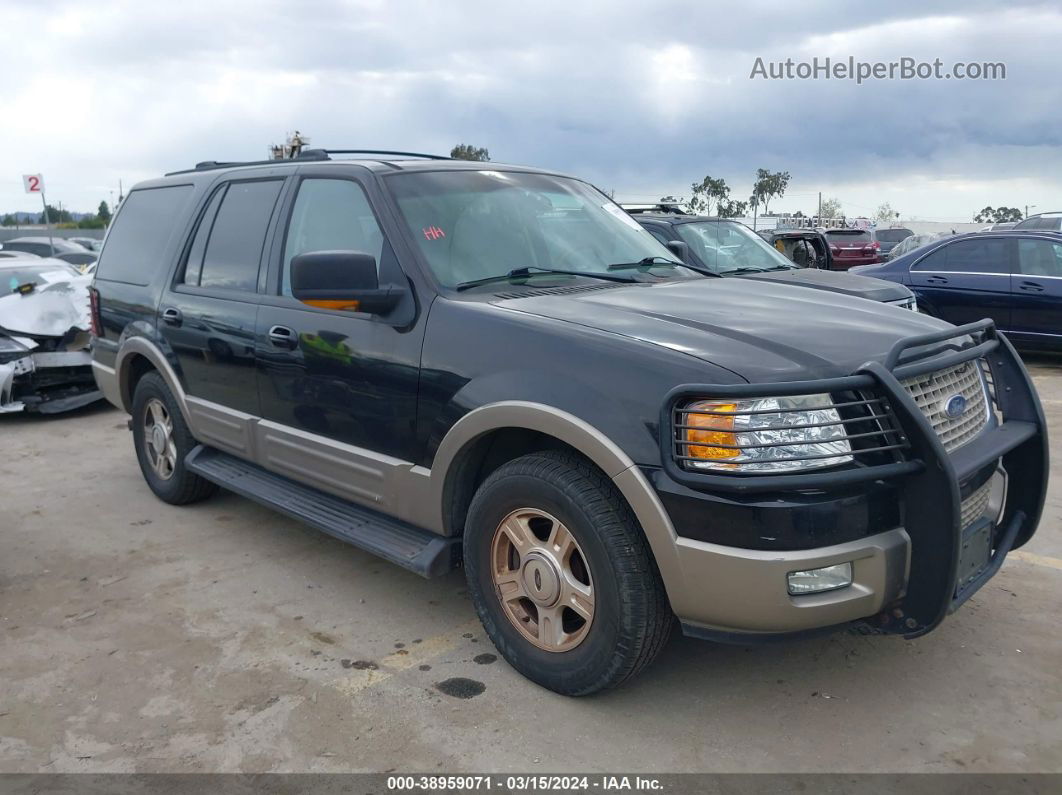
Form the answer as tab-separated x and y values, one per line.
593	659
152	386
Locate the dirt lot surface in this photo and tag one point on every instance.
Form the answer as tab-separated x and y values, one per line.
136	636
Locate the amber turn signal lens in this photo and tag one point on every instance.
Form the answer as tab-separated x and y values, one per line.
349	306
709	431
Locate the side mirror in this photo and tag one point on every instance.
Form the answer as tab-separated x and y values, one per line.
679	249
341	280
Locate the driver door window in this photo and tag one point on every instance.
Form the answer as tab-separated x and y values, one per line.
330	215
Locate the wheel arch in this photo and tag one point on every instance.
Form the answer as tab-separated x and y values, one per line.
138	356
466	447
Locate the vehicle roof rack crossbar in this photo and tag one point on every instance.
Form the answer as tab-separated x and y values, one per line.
379	152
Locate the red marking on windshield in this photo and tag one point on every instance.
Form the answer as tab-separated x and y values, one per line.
433	233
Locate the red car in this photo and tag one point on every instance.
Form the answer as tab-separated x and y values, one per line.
851	247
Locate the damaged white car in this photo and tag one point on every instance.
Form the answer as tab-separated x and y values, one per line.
45	363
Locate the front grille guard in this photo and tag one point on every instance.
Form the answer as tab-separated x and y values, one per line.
928	477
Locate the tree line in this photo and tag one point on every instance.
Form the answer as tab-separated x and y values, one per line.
712	191
63	218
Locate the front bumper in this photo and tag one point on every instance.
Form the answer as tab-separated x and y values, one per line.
905	578
744	592
48	382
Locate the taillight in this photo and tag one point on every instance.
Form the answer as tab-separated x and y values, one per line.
94	312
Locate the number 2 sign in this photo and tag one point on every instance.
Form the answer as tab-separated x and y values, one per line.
34	183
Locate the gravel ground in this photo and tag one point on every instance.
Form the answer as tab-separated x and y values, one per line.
135	636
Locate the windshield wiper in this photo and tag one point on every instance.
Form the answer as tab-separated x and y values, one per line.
645	262
518	273
750	270
656	260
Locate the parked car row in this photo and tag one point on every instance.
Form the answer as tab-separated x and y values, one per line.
1013	277
728	248
958	278
81	252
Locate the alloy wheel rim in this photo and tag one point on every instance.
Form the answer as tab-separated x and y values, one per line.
158	439
542	580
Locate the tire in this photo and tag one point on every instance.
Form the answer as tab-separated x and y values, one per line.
174	484
631	617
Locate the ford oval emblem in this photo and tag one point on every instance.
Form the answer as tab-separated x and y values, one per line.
955	406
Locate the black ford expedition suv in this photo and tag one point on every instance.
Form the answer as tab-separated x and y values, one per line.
445	362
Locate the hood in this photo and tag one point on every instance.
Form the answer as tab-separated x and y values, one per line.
762	332
835	281
52	309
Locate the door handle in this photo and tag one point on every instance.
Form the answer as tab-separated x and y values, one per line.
283	337
171	316
936	280
1031	287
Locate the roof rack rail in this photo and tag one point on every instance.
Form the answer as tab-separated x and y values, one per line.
658	208
305	154
211	165
377	152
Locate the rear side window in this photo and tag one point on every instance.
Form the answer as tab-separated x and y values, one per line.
140	235
194	266
233	247
969	256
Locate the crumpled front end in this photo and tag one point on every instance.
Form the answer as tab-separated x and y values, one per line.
45	362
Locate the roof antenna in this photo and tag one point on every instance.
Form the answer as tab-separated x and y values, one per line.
291	148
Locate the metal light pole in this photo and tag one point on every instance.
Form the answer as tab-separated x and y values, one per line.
48	224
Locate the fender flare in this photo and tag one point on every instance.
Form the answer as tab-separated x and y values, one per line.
150	351
591	442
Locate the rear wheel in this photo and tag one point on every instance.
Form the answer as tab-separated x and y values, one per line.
561	575
162	441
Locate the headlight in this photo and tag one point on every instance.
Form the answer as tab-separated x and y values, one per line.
776	434
906	303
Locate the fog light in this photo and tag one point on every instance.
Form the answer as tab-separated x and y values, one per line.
828	578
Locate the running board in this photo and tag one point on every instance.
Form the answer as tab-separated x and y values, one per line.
420	551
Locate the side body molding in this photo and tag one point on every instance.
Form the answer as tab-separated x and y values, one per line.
411	493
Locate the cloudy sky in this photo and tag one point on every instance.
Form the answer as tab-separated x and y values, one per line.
640	98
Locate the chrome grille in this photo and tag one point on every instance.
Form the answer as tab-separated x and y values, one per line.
932	391
974	506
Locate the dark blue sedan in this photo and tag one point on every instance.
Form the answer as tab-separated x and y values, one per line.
1013	277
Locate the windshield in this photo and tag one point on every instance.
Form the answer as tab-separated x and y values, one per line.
727	247
472	225
12	278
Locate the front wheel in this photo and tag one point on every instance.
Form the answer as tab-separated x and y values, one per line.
561	575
